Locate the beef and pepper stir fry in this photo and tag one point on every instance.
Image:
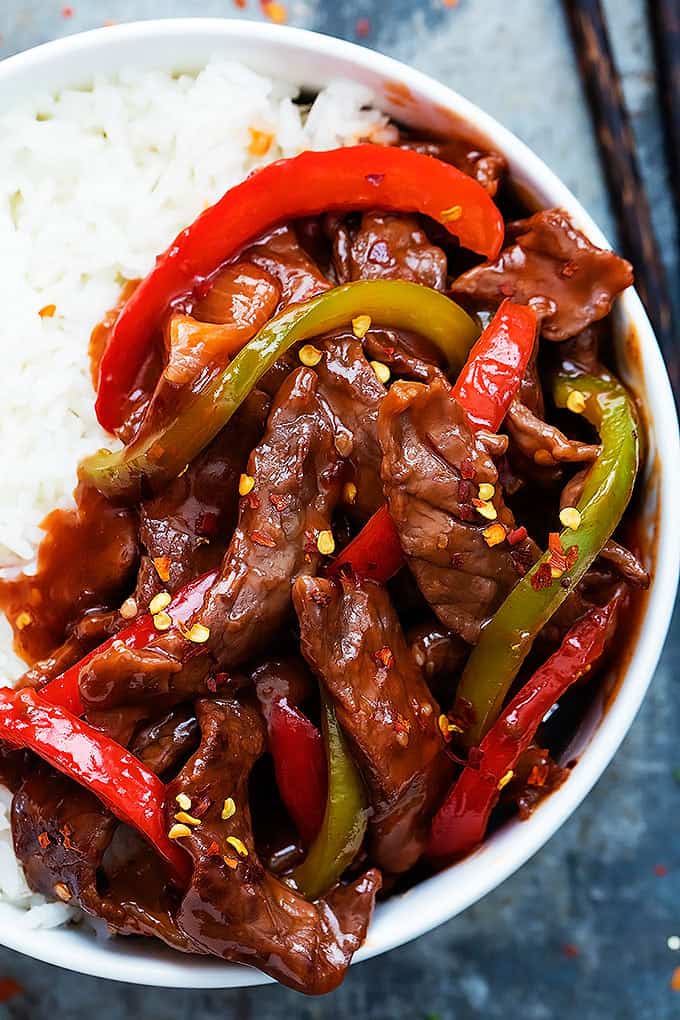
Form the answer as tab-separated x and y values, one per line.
301	639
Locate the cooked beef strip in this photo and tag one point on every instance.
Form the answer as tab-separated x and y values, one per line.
388	246
554	267
238	910
42	606
438	653
286	677
165	743
353	392
487	167
297	472
191	521
432	467
352	639
282	255
541	443
406	354
62	833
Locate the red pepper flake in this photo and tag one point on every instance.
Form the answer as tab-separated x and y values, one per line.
517	535
465	491
67	12
241	4
570	950
9	989
259	538
215	681
675	980
467	468
538	775
375	179
456	560
279	500
44	840
162	565
67	832
275	11
47	311
571	556
660	870
555	543
213	850
362	27
542	578
207	524
201	806
450	3
568	269
384	657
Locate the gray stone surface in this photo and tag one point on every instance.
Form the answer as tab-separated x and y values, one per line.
595	886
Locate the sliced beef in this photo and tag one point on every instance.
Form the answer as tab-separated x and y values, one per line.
487	167
73	849
406	354
165	743
297	472
438	653
351	638
353	393
554	267
185	529
236	909
433	465
536	441
42	606
281	254
388	246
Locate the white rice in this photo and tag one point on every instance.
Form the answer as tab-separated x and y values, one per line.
94	182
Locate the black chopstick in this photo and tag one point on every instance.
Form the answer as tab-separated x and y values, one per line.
664	20
617	151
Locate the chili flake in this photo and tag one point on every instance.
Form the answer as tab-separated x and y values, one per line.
213	850
494	535
571	556
187	819
675	980
576	402
279	500
517	535
162	565
238	845
451	214
9	989
162	621
128	609
361	325
67	12
487	491
183	801
179	831
259	538
230	862
467	469
570	517
47	311
44	840
570	950
62	892
198	633
228	809
310	355
542	578
384	657
260	142
362	27
504	780
485	509
349	492
382	371
246	484
275	11
160	602
325	543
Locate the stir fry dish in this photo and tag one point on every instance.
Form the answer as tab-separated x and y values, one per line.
336	602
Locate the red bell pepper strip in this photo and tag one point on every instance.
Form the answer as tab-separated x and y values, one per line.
352	178
130	791
484	389
461	821
296	746
496	365
63	690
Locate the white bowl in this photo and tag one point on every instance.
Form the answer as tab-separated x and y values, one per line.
312	60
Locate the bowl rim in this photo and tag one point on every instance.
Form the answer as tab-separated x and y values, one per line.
442	896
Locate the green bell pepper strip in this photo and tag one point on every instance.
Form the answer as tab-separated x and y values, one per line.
155	457
509	635
344	824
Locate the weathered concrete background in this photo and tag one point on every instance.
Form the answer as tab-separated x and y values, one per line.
581	931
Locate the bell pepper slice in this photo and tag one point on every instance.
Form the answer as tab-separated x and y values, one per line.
156	457
344	822
296	746
460	823
507	638
353	178
484	389
130	791
63	690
